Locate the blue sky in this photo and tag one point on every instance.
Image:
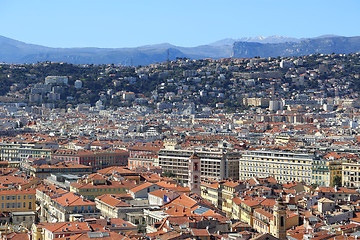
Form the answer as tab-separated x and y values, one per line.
130	23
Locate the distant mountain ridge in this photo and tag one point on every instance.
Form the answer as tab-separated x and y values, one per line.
323	44
259	39
13	51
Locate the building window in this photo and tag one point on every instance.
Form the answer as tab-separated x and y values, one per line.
281	221
196	166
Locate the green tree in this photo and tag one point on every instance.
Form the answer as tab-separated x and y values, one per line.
336	181
168	174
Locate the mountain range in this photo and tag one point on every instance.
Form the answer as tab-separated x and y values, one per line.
13	51
325	45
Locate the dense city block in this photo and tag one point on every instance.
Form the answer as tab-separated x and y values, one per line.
256	148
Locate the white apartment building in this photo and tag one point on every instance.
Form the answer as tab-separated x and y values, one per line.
284	166
56	80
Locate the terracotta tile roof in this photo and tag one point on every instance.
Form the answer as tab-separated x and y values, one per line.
116	169
71	199
290	185
157	233
214	185
112	184
145	148
151	177
173	187
63	227
178	211
237	200
161	192
83	152
268	202
112	200
264	213
240	224
12	180
231	183
8	171
184	201
15	236
338	190
343	237
96	176
64	165
287	191
251	181
298	236
170	235
14	192
251	202
51	190
141	187
199	232
120	222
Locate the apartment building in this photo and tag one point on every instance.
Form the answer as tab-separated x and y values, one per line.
143	150
284	166
325	171
44	171
216	163
18	152
17	200
228	190
44	195
49	231
112	206
61	208
351	174
211	192
145	161
92	189
221	194
56	80
97	159
120	206
247	208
